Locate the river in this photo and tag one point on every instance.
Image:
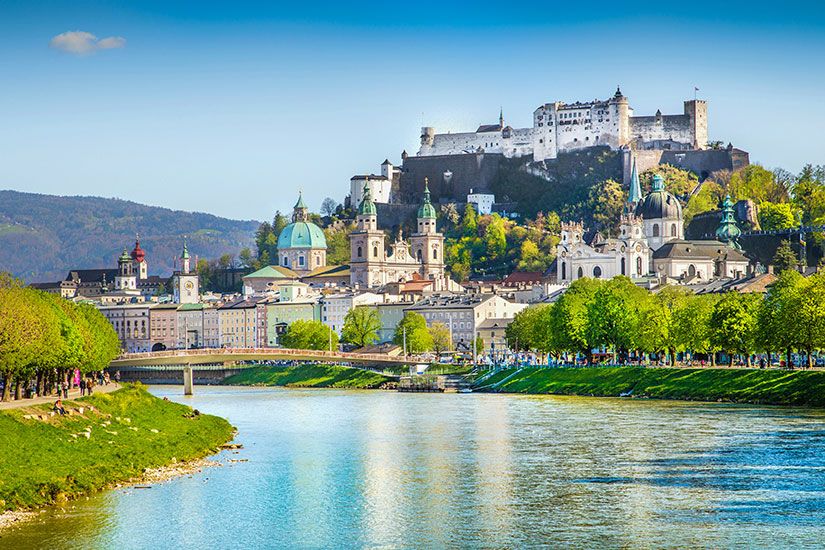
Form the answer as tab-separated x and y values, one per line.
340	469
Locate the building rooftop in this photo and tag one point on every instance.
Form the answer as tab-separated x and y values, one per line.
451	301
272	272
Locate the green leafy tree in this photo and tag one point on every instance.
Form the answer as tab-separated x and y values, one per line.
708	198
440	335
777	216
678	181
495	237
304	334
691	328
361	326
605	202
469	223
756	183
413	329
571	319
733	324
778	314
338	252
785	257
613	315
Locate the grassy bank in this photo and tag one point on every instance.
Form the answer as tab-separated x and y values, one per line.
774	387
46	459
309	376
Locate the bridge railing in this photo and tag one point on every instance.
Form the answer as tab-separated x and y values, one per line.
280	352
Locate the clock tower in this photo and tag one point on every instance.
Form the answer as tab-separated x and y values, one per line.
186	288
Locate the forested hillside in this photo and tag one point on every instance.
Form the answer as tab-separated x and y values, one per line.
43	236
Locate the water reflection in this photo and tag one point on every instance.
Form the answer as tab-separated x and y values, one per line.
381	469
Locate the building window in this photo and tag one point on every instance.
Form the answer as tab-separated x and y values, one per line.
435	253
580	273
563	271
301	261
673	230
655	229
638	265
360	253
623	266
597	272
285	262
374	251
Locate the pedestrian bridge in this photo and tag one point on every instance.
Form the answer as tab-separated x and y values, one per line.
229	356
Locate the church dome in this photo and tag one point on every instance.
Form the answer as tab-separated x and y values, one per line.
426	210
301	235
659	203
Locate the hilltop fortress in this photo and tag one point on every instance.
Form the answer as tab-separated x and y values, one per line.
563	127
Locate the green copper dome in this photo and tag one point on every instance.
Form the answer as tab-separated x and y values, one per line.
301	235
125	257
367	206
427	210
300	203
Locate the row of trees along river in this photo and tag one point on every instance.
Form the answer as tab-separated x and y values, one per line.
626	320
44	337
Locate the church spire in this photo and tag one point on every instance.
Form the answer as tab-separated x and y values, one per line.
635	195
728	232
501	117
427	211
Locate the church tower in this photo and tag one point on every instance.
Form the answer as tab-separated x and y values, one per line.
186	283
125	280
139	260
427	243
367	249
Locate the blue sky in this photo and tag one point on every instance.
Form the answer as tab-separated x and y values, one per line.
230	108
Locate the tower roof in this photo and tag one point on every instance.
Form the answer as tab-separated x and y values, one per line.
427	210
125	257
659	203
138	254
300	204
635	194
728	232
367	206
185	254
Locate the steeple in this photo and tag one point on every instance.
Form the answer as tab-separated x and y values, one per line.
184	256
501	118
728	232
635	194
426	211
367	206
300	212
658	184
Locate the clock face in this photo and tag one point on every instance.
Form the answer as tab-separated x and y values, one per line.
189	285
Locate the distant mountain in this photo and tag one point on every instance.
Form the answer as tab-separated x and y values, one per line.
42	237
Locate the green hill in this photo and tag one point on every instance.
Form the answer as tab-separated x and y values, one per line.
43	236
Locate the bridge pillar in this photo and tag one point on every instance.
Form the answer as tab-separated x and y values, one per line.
188	380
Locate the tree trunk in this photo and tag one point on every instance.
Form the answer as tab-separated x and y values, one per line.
713	359
17	390
810	358
788	363
7	381
730	359
748	360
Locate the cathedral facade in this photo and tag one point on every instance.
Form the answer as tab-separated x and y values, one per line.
651	244
372	265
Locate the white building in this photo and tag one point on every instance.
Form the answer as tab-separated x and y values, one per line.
380	186
482	202
334	307
560	127
132	325
464	314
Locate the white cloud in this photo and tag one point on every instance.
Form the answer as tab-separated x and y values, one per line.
82	42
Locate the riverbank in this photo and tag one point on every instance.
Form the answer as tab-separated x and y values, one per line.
106	439
767	387
311	376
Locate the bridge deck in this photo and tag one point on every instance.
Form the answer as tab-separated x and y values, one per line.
225	355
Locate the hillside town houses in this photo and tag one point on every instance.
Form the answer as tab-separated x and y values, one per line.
150	313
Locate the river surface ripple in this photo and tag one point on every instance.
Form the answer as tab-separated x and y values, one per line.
341	469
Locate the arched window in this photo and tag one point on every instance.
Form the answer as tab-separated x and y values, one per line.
435	254
285	263
597	272
374	251
623	267
580	273
655	229
638	265
692	270
673	230
418	254
563	271
360	252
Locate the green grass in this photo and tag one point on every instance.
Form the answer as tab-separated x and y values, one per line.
309	376
42	463
773	387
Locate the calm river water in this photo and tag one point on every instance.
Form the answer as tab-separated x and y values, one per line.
339	469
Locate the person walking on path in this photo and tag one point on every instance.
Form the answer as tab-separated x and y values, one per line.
89	385
117	376
82	385
65	388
